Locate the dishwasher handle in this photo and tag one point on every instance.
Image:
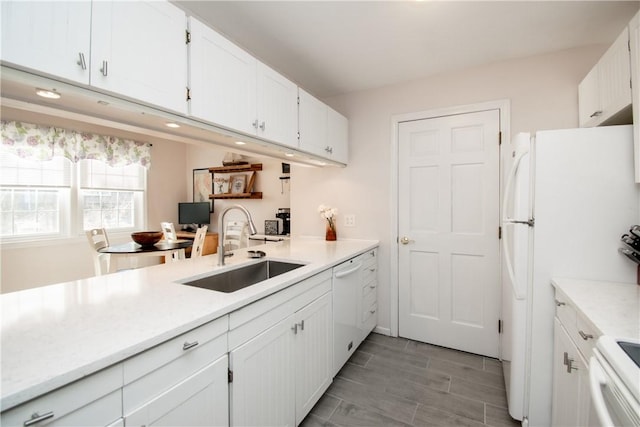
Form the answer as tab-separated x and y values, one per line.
343	273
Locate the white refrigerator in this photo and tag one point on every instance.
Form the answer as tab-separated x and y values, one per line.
569	196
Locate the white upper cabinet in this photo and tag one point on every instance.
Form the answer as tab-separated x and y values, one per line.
634	38
277	100
222	80
52	37
606	90
138	49
323	131
231	88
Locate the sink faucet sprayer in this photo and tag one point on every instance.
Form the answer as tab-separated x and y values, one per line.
252	229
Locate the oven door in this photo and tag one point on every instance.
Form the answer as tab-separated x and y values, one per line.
612	402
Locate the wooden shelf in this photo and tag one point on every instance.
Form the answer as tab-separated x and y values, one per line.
253	168
254	195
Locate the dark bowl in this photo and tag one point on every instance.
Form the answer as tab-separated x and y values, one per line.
147	238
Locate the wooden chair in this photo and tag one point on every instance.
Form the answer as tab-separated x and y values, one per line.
170	235
198	241
169	231
99	239
236	235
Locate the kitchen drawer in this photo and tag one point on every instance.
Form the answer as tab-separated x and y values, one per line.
565	312
369	288
160	368
585	337
369	318
369	298
369	271
93	400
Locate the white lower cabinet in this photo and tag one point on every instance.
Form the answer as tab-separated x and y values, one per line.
279	374
93	400
200	400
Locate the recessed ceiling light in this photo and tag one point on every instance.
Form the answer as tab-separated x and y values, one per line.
46	93
240	143
289	154
172	125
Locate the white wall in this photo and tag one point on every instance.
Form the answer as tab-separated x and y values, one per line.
543	93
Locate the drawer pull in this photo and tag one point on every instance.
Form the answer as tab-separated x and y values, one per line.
560	303
585	336
187	345
372	311
596	114
36	418
372	286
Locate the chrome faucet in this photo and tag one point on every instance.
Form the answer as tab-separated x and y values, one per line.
252	229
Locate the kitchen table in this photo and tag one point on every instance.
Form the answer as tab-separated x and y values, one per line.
132	250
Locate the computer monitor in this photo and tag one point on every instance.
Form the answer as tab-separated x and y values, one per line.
197	213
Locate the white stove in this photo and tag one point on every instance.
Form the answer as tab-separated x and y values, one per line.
614	372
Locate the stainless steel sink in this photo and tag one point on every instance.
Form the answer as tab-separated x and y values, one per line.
239	278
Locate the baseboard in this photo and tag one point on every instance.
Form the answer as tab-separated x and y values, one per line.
382	331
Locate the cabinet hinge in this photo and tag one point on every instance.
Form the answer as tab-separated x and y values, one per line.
298	100
499	326
230	375
298	136
499	233
499	138
188	94
187	35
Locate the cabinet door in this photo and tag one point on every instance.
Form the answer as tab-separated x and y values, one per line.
262	390
566	381
634	39
312	124
338	135
48	36
614	78
223	80
314	343
589	99
277	99
138	50
200	400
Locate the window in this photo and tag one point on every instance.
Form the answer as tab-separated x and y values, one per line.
38	198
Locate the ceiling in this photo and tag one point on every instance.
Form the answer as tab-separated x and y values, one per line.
336	47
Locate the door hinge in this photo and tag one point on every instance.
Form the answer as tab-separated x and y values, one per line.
188	94
187	36
499	326
499	233
230	376
500	138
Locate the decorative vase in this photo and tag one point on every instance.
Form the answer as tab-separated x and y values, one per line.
330	235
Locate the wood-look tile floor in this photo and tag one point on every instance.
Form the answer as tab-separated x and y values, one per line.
398	382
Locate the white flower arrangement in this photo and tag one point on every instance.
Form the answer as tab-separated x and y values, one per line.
328	213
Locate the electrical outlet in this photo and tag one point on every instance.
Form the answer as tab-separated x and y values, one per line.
350	220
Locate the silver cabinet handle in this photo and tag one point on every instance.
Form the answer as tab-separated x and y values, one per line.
255	124
585	336
81	62
372	311
187	345
36	418
104	70
294	328
560	303
566	359
596	113
263	126
372	286
570	366
329	149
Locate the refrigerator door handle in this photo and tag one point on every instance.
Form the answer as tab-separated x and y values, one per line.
509	183
509	263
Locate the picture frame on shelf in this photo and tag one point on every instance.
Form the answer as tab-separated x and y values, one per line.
221	184
238	184
202	186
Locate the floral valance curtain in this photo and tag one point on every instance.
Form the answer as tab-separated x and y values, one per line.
35	142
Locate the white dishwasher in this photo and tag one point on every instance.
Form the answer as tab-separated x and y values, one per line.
346	332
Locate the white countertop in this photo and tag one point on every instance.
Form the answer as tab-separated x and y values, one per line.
613	308
56	334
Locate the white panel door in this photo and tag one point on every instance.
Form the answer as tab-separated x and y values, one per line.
223	80
138	49
277	100
449	287
314	351
261	393
48	36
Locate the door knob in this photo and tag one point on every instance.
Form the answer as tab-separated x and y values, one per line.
406	240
